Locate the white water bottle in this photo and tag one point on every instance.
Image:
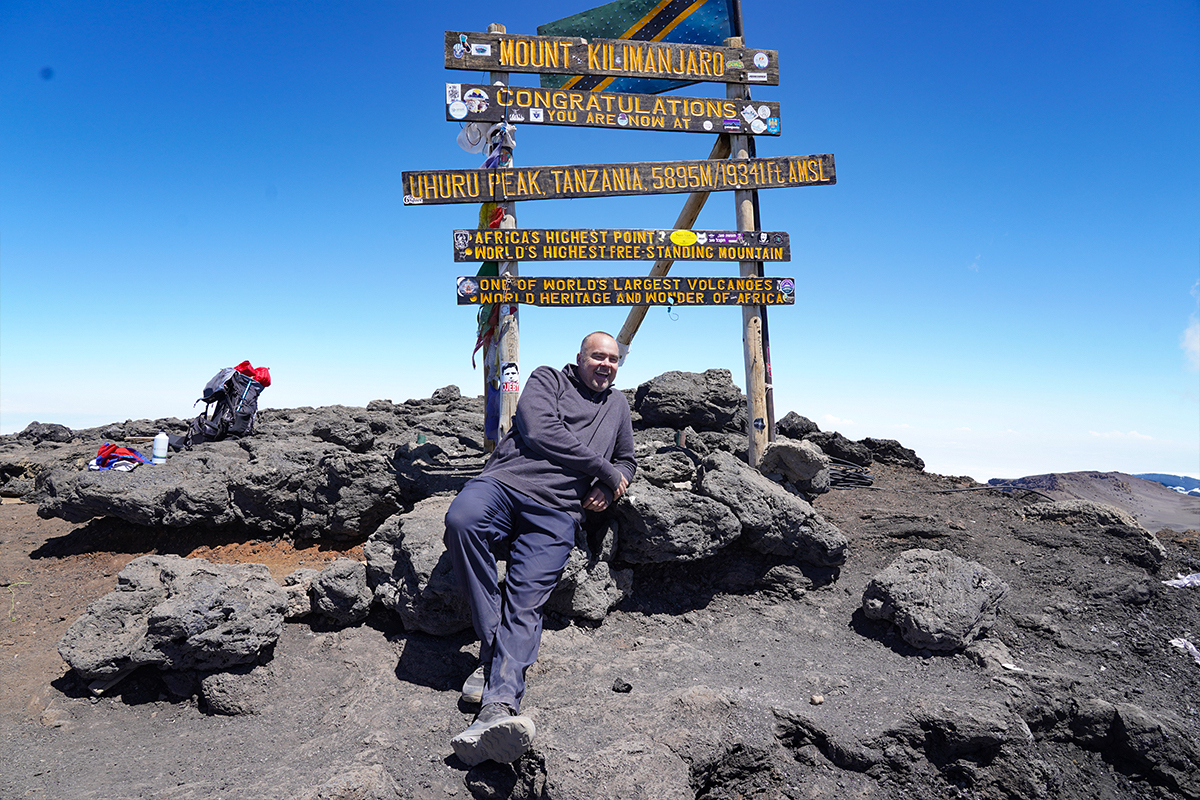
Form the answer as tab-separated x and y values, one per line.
159	455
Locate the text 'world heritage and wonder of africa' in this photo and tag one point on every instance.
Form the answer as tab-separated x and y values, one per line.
626	291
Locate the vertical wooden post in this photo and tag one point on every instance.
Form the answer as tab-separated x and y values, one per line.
752	345
686	219
508	328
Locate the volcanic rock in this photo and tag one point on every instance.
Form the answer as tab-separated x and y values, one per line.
298	586
589	588
937	600
659	525
773	520
835	445
1127	537
801	463
889	451
410	571
340	593
706	401
794	426
177	613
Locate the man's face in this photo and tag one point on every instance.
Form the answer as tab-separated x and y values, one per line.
598	362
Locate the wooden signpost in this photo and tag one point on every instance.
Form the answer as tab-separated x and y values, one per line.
615	180
619	244
732	166
625	291
476	102
561	55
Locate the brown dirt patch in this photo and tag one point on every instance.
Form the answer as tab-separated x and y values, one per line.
50	570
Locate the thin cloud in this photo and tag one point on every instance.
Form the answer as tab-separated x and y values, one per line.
1120	435
829	419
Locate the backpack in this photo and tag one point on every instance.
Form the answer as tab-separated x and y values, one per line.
231	404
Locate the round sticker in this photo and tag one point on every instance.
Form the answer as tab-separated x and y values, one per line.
708	124
760	60
764	112
683	238
458	109
758	126
477	100
622	119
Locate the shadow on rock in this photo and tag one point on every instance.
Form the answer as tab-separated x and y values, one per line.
681	587
886	634
139	687
111	535
437	662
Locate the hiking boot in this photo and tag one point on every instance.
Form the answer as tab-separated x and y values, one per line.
497	734
472	688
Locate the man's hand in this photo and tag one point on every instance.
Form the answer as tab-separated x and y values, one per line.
597	498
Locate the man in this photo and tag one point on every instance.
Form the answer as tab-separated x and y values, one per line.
570	449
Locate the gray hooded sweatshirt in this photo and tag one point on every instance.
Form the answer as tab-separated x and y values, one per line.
565	438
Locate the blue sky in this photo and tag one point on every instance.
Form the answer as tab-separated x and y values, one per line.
1005	277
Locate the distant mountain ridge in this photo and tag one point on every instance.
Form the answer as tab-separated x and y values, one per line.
1172	481
1153	504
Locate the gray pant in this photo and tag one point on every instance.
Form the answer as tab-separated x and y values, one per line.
485	516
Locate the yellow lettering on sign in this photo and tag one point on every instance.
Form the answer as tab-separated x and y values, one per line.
633	58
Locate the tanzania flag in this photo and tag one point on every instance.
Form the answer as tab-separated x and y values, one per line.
678	21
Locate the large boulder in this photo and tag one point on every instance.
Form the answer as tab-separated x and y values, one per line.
589	588
936	599
835	445
1168	750
410	571
333	472
889	451
707	401
177	613
773	520
340	593
794	426
659	525
801	463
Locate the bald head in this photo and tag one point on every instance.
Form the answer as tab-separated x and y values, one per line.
597	360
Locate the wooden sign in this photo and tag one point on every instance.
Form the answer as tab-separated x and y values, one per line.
619	244
653	291
470	102
613	180
561	55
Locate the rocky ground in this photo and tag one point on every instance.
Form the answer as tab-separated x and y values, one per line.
719	677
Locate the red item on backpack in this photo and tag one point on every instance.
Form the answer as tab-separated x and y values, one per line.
261	374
